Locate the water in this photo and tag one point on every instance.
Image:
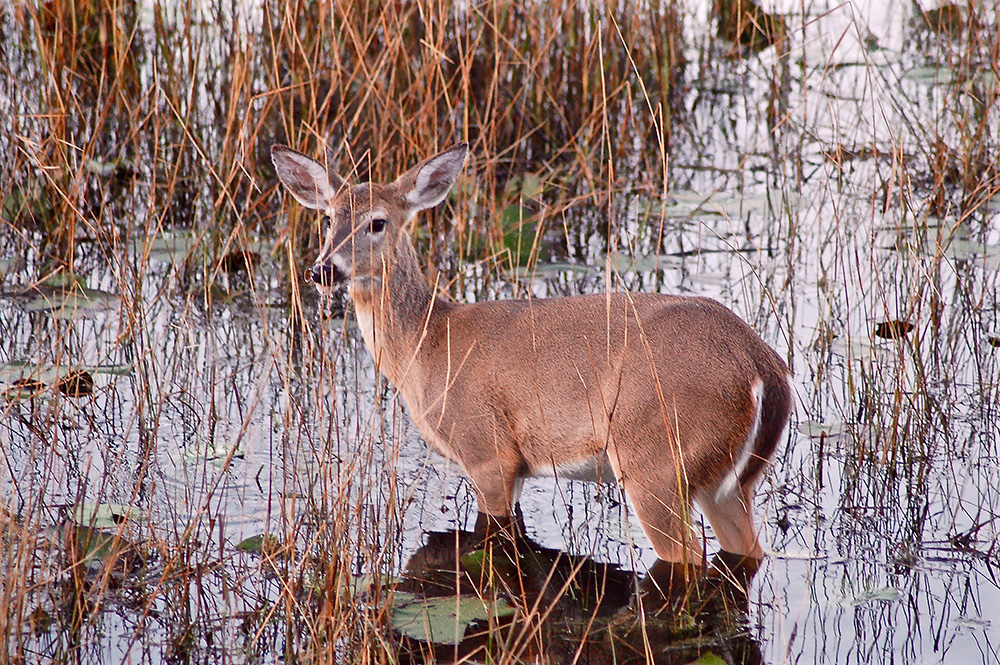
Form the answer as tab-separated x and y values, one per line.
840	180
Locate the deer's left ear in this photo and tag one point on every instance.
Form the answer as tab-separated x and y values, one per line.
426	184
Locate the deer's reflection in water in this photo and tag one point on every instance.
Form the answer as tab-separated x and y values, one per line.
573	609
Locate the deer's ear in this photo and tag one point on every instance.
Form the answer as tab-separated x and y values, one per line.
426	184
305	178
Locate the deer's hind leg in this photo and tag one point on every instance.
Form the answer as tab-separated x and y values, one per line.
729	509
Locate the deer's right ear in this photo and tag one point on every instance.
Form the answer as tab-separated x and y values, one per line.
304	177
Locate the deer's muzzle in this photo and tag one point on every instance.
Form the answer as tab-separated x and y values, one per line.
325	274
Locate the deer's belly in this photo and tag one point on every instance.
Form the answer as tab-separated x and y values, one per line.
592	469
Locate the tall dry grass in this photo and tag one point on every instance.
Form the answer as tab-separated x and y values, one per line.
124	122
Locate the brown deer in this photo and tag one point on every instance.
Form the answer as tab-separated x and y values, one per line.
677	397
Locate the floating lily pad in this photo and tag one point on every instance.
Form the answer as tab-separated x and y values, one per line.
684	204
852	348
443	620
263	544
976	623
931	75
708	658
89	543
11	265
173	248
520	229
23	389
625	263
100	167
242	260
796	555
972	250
106	168
886	594
72	303
815	430
77	383
893	329
550	270
26	380
104	515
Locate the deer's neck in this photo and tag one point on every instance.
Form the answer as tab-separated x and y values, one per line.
395	312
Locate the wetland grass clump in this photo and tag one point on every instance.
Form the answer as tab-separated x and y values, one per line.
197	462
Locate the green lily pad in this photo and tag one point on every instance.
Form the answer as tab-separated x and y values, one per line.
263	543
26	204
90	543
104	515
443	620
708	658
520	229
626	263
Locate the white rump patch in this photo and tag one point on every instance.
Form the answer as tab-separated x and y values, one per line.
731	481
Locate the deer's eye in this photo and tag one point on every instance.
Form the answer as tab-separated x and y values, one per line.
378	225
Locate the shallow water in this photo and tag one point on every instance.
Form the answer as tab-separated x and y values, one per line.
842	179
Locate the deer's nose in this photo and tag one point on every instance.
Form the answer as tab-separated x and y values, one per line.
324	274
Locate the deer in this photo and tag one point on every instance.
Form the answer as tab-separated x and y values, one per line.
674	397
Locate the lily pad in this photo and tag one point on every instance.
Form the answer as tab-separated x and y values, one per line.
815	430
23	389
708	658
15	372
104	515
975	623
77	383
263	544
893	329
11	265
625	263
684	204
242	260
886	594
443	620
25	380
520	230
790	554
92	544
551	270
72	303
172	248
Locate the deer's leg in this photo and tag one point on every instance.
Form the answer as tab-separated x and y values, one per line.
663	509
495	492
495	477
731	515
